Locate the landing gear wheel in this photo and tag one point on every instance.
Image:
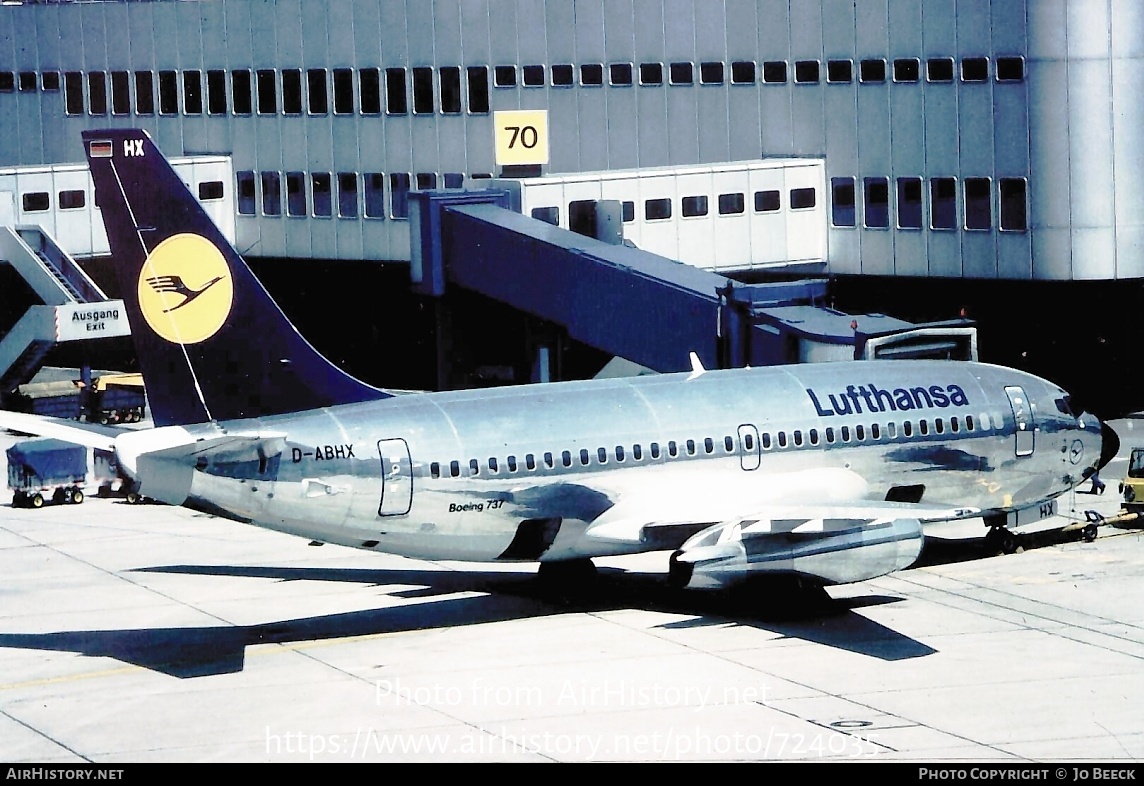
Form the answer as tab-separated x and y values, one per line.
36	500
1001	540
679	573
1088	533
572	571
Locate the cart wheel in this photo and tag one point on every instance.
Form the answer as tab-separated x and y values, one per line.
1088	533
37	500
76	496
132	498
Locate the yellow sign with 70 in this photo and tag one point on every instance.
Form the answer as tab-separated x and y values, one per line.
521	137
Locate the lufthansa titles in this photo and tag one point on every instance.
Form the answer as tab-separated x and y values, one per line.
876	399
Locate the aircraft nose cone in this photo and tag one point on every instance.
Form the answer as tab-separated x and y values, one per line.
1109	444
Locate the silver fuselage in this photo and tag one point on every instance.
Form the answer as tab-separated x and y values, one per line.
453	475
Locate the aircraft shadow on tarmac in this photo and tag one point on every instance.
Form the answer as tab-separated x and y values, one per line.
201	651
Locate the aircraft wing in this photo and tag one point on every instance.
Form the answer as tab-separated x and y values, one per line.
817	523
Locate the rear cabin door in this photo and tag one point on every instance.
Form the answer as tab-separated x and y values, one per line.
396	478
1023	416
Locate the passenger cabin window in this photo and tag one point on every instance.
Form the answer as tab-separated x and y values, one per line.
474	467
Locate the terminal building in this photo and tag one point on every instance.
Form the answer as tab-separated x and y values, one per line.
961	157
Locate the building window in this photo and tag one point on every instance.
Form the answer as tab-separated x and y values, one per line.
209	190
423	103
1010	69
246	193
347	195
943	203
36	201
767	201
839	72
7	82
296	194
240	92
216	92
193	92
504	76
743	72
344	91
271	194
369	87
396	100
681	73
651	73
50	81
73	93
73	199
978	207
563	75
774	72
694	206
120	93
620	74
549	215
909	203
657	209
27	81
802	198
97	92
592	74
399	195
478	82
144	93
906	69
843	212
168	93
806	72
1014	217
450	78
317	99
321	188
374	194
939	69
872	71
292	91
731	204
876	210
975	69
267	92
711	73
532	76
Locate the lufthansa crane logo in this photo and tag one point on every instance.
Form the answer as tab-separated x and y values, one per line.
185	289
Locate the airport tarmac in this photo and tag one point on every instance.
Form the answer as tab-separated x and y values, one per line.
133	633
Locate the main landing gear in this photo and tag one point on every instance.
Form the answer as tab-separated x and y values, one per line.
1001	540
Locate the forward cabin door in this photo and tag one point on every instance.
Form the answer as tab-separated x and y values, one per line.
1023	416
396	478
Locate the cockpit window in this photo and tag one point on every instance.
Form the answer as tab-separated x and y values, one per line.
1065	406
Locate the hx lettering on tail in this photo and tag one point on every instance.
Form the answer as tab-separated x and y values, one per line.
729	470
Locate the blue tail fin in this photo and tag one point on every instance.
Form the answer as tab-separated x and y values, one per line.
212	343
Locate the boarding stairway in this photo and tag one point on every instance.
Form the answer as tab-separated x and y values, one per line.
56	280
647	309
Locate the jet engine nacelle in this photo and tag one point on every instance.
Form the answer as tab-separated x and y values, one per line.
828	551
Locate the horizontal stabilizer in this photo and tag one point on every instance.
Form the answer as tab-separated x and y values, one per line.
89	435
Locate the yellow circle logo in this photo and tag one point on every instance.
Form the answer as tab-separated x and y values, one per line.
185	289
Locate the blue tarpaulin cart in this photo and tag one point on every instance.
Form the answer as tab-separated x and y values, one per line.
43	469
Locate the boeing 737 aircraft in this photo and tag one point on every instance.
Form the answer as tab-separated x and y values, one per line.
824	471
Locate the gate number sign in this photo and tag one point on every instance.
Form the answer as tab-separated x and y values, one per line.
521	137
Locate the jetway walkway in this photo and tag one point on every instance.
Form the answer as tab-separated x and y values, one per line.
645	308
72	306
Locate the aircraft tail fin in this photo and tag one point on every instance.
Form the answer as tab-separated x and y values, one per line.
212	343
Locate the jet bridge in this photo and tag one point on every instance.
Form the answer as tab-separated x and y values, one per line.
645	308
